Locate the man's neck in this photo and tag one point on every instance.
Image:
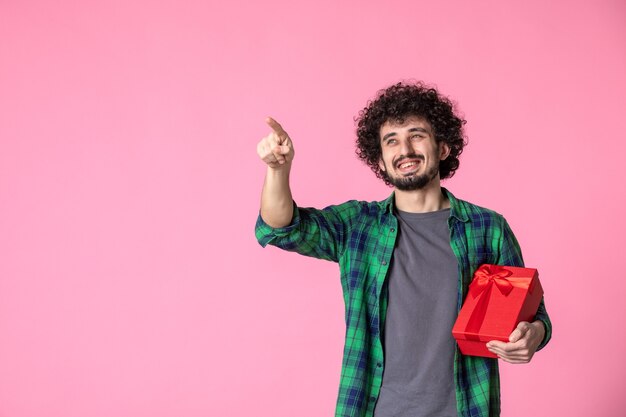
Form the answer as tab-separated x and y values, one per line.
427	199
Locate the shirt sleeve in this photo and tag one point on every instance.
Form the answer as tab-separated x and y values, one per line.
510	254
312	232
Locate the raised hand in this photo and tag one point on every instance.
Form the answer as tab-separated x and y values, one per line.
276	149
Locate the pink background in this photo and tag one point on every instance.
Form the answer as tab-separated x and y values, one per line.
130	280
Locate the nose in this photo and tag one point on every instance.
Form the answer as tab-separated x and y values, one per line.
405	147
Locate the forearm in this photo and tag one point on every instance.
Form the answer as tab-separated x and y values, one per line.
276	199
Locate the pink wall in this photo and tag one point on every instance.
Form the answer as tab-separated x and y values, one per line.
130	281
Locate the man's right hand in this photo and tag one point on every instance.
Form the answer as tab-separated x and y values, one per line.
276	149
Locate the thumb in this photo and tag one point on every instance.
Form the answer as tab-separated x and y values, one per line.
519	332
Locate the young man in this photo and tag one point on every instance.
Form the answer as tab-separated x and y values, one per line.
406	262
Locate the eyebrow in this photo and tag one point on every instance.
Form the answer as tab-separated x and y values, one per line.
413	129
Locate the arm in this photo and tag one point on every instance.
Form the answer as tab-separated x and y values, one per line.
276	150
308	231
527	338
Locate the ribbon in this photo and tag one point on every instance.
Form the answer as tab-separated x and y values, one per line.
484	279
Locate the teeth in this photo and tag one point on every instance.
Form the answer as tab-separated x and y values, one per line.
407	164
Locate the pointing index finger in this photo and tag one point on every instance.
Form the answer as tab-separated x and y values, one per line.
276	127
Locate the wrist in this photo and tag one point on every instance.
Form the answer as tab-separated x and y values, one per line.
279	170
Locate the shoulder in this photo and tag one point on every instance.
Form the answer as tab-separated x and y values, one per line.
466	211
476	211
483	221
360	207
356	210
488	235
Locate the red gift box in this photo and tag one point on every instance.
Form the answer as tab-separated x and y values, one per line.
499	298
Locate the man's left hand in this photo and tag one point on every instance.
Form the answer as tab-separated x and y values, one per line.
523	343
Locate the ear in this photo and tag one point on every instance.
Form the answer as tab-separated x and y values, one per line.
444	151
381	165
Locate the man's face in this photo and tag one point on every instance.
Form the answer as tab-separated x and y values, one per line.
410	155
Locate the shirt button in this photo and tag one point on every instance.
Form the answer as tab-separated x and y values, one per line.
380	365
384	262
392	230
372	399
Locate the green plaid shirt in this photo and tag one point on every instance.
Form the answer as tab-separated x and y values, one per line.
361	236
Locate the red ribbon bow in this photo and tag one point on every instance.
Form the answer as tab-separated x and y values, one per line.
484	278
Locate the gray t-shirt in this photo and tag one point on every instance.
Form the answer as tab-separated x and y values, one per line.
418	378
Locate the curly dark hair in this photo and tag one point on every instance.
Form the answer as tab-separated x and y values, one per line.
403	100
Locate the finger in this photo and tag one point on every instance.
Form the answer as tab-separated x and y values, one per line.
504	347
511	352
276	127
516	357
515	335
508	350
278	150
281	149
279	158
496	344
519	332
515	361
270	160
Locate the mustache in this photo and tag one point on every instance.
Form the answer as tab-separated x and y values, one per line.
408	156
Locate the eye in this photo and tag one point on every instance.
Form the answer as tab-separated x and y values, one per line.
391	141
417	137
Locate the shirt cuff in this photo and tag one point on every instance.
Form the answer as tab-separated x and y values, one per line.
266	233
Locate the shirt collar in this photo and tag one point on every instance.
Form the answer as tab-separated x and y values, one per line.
456	211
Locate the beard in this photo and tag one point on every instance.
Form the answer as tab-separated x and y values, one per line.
412	182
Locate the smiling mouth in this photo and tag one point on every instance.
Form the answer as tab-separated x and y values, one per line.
408	164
